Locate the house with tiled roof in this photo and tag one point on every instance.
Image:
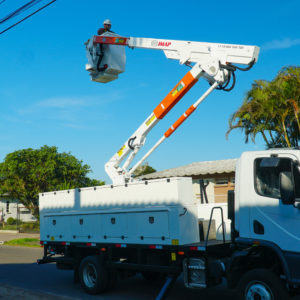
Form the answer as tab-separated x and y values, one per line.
211	179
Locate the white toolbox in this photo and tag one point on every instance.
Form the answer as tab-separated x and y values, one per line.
162	211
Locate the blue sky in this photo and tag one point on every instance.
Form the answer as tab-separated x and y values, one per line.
47	97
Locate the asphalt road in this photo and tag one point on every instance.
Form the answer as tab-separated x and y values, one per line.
18	269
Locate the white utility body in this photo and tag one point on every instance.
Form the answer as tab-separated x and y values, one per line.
157	211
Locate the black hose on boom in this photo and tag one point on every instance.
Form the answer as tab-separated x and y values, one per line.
130	143
250	65
231	73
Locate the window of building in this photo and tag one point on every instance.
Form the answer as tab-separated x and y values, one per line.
222	181
7	206
221	188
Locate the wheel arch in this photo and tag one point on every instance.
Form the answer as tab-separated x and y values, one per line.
261	254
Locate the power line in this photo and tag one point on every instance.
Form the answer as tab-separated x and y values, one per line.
10	27
2	1
19	10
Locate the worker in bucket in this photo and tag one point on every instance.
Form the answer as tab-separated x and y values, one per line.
90	66
106	27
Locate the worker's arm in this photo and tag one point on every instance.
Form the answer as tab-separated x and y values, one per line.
101	31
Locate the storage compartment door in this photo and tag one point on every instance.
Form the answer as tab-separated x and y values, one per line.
114	225
55	228
86	227
153	224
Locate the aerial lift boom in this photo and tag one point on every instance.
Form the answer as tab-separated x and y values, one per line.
212	61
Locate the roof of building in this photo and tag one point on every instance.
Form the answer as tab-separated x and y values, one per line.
196	169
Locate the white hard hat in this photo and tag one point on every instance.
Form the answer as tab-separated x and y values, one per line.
107	21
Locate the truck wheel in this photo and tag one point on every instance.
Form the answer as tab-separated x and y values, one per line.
261	284
94	277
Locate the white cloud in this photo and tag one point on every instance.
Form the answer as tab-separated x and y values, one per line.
69	112
63	103
280	44
71	103
59	103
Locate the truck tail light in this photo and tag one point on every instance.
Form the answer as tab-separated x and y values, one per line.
65	243
155	247
120	245
90	244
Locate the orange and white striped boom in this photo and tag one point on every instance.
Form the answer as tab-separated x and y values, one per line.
214	62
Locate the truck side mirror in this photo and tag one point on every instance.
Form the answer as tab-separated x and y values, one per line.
287	188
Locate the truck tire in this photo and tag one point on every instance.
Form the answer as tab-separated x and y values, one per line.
94	276
261	284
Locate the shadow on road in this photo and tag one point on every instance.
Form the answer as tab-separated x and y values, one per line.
58	283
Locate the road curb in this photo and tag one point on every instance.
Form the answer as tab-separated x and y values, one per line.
9	231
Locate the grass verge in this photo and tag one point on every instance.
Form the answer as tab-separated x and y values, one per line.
9	227
26	242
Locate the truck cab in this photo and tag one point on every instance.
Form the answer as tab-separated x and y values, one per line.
265	227
261	211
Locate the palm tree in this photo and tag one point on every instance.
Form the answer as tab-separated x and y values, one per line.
271	108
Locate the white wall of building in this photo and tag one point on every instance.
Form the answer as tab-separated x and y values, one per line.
10	208
209	189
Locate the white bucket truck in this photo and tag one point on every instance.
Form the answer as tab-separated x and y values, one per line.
98	239
152	226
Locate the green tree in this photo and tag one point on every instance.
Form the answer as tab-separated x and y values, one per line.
26	173
143	169
271	108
